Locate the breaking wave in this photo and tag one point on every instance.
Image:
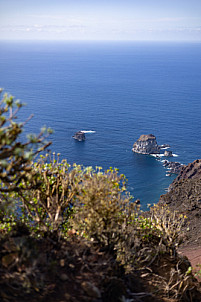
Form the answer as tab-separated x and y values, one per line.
162	155
87	131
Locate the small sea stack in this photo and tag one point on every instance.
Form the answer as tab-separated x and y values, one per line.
168	153
79	136
146	144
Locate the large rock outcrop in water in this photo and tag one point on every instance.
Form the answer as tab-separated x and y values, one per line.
146	144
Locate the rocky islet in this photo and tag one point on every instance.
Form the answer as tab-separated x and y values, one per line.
148	145
80	136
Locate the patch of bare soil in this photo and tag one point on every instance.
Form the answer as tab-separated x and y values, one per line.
194	256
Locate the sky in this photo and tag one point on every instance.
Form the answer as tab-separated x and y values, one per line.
152	20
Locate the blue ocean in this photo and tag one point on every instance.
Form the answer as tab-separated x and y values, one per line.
119	90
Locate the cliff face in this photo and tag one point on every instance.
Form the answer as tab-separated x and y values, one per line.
146	144
191	171
184	196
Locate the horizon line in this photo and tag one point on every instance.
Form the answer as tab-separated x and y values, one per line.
99	40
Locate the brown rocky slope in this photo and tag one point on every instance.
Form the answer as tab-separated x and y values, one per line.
184	196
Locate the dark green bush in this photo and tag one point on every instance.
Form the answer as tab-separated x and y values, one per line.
16	156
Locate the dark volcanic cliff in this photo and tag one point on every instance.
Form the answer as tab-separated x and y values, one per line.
184	196
191	171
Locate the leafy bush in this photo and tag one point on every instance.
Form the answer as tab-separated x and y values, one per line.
49	203
15	156
103	207
169	224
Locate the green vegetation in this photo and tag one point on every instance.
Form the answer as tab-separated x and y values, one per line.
58	220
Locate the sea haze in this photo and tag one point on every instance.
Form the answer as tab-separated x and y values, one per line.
120	90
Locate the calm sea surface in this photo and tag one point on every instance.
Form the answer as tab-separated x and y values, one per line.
120	90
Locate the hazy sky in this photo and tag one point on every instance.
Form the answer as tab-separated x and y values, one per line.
100	19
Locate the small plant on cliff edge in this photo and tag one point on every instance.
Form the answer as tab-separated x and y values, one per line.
16	156
169	224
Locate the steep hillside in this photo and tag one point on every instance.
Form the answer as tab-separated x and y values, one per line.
184	196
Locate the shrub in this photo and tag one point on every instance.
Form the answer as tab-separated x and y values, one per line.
49	203
169	223
16	157
103	207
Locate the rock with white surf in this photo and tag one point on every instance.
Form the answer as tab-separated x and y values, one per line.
80	136
146	144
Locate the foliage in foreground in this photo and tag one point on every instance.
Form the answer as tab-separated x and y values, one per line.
46	198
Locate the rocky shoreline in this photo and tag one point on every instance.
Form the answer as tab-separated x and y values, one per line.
172	167
148	145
